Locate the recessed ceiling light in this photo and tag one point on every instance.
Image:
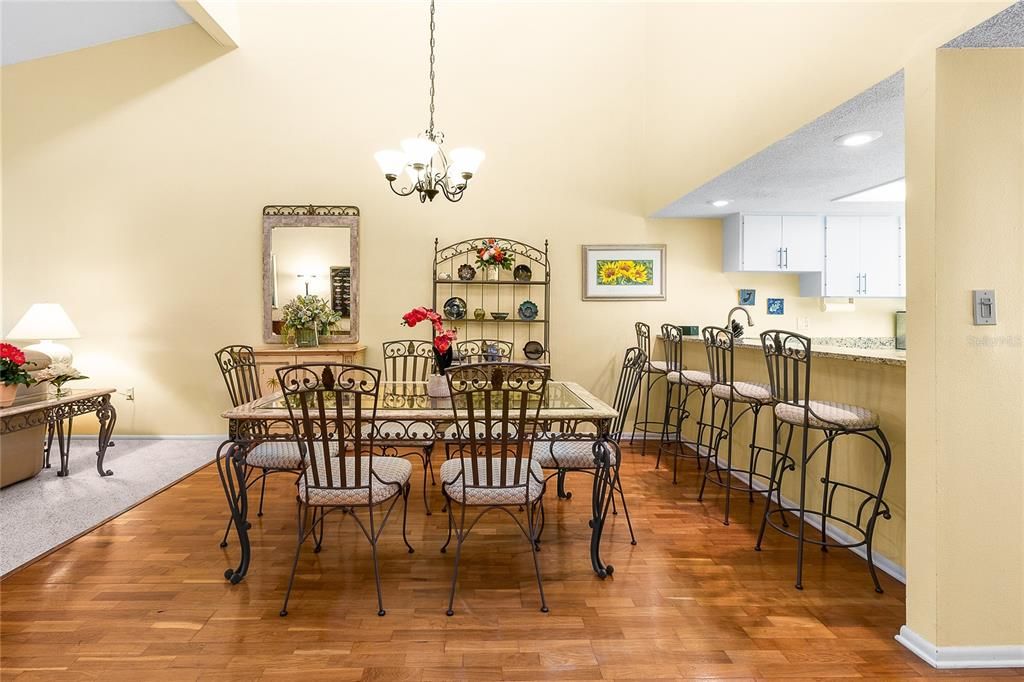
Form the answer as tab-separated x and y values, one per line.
858	139
719	203
890	191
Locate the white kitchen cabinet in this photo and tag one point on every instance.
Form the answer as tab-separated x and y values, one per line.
863	258
772	243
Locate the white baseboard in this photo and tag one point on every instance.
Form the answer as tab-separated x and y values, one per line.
945	657
125	436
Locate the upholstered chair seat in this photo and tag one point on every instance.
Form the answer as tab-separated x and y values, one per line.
457	487
828	415
566	454
744	392
691	377
390	474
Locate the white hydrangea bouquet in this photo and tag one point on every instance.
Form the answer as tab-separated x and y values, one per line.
59	374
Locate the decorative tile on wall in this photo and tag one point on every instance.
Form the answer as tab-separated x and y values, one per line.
776	306
748	296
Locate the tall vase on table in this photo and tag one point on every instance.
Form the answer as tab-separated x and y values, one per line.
13	373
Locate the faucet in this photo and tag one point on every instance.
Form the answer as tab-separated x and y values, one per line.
728	322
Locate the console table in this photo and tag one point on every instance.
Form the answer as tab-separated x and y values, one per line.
58	414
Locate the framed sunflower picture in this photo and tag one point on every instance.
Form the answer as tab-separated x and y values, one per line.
624	273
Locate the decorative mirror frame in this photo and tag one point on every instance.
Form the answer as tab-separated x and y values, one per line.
309	216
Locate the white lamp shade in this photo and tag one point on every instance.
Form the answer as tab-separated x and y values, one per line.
466	160
45	321
391	161
419	150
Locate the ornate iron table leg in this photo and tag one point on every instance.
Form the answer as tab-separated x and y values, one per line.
64	443
563	494
231	467
108	417
604	488
49	444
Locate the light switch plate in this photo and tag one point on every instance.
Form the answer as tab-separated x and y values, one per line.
984	306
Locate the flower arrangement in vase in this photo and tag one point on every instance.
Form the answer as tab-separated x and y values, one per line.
12	373
437	385
307	318
58	375
490	256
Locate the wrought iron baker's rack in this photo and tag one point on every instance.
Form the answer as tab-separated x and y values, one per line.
505	295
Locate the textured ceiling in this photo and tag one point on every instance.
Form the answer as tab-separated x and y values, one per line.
806	170
1005	29
39	28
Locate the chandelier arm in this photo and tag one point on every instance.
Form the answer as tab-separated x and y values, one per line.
402	193
453	195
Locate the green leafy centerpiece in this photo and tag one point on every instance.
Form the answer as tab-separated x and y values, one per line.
307	318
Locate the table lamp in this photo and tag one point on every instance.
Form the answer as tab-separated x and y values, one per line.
46	322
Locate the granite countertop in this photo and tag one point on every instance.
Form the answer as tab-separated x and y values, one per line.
878	356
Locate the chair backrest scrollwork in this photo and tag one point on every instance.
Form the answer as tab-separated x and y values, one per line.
408	360
238	367
788	357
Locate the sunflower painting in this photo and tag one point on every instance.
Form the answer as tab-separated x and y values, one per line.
624	273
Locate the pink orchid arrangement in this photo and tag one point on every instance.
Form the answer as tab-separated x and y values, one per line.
442	337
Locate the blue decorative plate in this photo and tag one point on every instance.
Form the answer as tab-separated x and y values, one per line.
528	310
455	308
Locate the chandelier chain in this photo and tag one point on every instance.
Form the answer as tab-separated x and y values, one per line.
430	130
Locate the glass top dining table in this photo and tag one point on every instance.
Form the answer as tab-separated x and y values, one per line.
406	414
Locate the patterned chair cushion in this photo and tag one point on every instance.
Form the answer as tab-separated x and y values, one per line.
691	377
657	366
828	415
275	454
565	454
390	474
454	484
745	392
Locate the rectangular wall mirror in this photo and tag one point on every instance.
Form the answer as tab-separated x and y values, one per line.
311	250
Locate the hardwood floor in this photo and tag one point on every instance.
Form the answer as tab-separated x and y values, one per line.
143	598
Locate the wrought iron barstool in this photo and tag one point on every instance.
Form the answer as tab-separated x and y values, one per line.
653	372
238	367
788	357
726	393
407	360
682	384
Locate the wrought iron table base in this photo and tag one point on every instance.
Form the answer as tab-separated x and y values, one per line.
55	425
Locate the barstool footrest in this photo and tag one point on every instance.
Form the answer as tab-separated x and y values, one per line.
846	525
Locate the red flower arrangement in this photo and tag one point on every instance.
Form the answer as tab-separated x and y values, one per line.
442	337
12	366
490	254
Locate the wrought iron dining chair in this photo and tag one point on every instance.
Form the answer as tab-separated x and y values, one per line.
655	371
495	407
570	451
273	456
483	350
407	360
788	356
329	404
681	385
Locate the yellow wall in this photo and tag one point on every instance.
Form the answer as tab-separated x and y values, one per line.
142	165
966	539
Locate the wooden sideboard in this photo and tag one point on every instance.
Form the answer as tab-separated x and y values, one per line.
269	358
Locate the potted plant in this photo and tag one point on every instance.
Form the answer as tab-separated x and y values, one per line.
307	318
437	385
490	256
12	373
58	375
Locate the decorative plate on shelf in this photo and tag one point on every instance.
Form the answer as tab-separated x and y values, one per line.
533	350
528	310
522	273
467	272
455	308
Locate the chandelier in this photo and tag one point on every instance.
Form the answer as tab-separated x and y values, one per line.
429	170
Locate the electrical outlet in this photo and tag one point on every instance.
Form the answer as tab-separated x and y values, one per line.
129	393
803	323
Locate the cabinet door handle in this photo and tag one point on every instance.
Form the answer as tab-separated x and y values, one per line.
865	282
858	283
786	251
779	254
